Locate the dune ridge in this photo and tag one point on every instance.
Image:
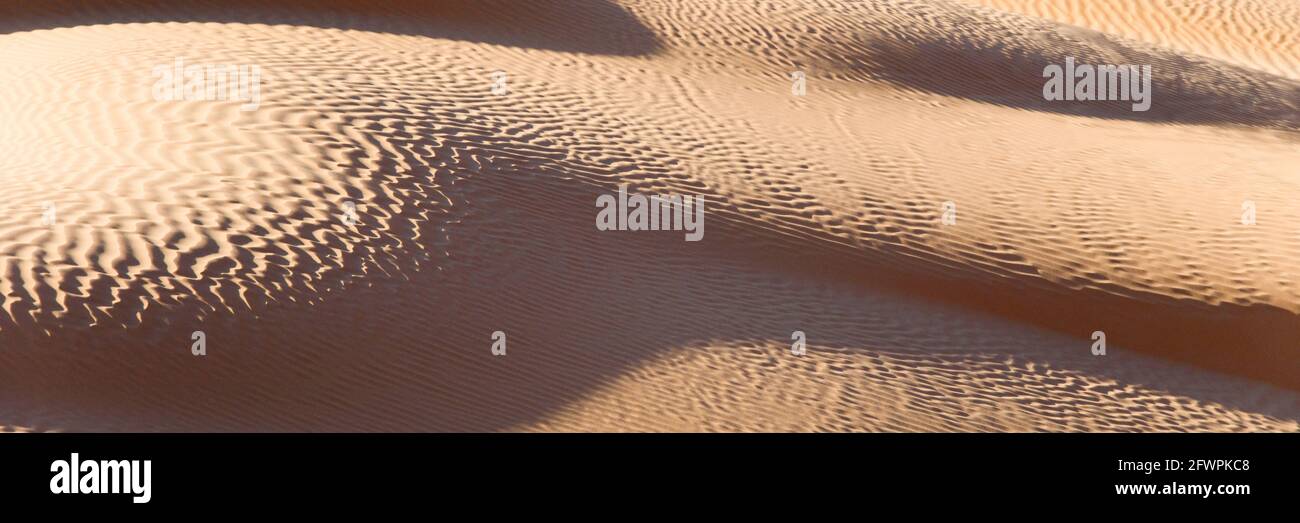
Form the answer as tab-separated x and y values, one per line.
1260	34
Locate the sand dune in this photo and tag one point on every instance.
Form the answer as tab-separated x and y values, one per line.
474	215
1259	34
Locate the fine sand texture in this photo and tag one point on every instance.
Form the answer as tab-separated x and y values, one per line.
473	138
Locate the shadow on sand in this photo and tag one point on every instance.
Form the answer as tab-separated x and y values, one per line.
590	26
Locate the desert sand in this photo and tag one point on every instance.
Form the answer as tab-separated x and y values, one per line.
474	214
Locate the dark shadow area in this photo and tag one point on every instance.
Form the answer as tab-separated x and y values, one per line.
990	60
1255	341
590	26
581	308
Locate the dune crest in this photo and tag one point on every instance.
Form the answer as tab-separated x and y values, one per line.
1260	34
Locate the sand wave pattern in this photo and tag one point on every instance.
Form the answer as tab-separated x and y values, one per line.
349	247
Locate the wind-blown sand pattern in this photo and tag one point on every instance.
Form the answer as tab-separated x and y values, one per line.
476	215
1259	34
